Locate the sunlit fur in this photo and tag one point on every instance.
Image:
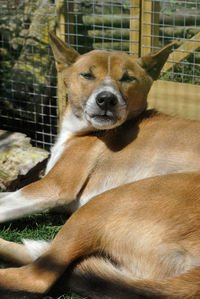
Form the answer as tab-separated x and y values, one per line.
129	176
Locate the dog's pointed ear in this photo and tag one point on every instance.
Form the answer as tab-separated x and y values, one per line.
64	55
154	62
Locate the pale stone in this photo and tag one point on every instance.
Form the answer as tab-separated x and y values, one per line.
18	160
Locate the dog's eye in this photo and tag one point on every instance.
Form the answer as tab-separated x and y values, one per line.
126	78
88	76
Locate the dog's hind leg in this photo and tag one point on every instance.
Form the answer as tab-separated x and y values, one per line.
106	225
88	277
76	238
22	254
97	277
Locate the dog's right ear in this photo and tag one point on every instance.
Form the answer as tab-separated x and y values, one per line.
64	55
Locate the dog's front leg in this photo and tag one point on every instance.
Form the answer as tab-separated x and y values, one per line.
26	201
59	187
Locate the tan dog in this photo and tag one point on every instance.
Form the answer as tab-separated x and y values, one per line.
134	240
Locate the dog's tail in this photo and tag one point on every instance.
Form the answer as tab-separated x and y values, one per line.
97	277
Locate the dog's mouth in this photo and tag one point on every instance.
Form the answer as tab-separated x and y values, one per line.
104	118
105	121
106	109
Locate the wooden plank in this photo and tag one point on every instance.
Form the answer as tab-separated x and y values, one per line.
177	99
64	28
60	32
155	29
183	52
144	23
149	23
146	27
134	35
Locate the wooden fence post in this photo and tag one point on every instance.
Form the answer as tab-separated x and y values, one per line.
134	36
144	26
64	26
149	23
60	32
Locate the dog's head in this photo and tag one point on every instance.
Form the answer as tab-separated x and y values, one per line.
106	88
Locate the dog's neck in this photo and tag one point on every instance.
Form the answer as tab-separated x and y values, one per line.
78	126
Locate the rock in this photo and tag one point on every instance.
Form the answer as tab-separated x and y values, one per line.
20	162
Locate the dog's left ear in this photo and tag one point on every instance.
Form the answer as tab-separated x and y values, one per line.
154	62
64	55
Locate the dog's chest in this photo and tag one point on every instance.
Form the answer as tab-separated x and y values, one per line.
132	164
114	170
132	156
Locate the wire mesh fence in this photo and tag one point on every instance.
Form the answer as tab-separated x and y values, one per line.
28	86
177	20
28	77
164	22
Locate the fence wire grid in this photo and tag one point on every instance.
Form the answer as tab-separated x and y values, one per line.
28	79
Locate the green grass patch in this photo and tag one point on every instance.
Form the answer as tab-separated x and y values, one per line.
37	227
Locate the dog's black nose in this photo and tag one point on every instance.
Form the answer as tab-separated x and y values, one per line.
106	99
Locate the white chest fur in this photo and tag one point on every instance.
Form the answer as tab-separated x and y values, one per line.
58	148
71	125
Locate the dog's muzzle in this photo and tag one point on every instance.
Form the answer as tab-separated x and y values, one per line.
106	108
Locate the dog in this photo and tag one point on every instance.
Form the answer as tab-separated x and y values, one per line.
131	179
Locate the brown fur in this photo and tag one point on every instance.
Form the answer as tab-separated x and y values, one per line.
133	240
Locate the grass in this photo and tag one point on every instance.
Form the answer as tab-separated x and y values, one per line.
37	227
